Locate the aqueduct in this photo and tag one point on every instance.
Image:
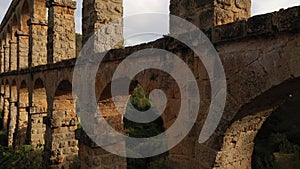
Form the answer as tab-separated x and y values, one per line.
261	57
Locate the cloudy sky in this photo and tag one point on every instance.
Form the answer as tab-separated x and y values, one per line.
161	6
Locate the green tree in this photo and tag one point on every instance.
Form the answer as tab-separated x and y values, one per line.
139	100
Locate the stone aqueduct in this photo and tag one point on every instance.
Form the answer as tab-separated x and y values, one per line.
261	57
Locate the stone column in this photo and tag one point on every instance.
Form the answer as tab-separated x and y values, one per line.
98	13
2	61
93	156
21	137
13	55
208	13
61	30
60	144
37	42
36	126
22	49
6	58
6	112
12	121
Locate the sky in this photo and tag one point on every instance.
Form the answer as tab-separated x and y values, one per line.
132	7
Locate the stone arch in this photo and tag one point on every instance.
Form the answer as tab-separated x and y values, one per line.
14	26
113	113
23	112
40	9
60	143
238	141
13	44
25	16
23	36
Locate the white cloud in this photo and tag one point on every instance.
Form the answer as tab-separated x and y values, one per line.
132	7
150	24
266	6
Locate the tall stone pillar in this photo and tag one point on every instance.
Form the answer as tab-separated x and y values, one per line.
12	121
1	60
6	58
22	49
36	126
97	14
13	55
20	137
6	112
208	13
61	30
6	106
37	42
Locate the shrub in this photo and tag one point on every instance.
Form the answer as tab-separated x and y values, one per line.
25	158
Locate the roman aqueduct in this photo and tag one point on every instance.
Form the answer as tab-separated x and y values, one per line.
260	54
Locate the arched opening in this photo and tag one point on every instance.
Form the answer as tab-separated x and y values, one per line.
13	44
25	16
60	143
115	115
38	112
23	37
277	143
140	101
40	9
246	135
22	122
12	120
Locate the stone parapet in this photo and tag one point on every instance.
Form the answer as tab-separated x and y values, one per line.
268	24
209	13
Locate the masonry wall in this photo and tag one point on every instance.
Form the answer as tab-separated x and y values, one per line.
98	14
61	38
257	54
208	13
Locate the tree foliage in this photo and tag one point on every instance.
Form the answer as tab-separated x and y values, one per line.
139	100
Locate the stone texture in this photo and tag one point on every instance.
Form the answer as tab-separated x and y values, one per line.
62	43
22	48
2	60
97	14
37	42
6	58
207	14
260	57
12	122
13	55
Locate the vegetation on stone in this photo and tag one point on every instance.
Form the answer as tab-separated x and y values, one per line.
25	158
